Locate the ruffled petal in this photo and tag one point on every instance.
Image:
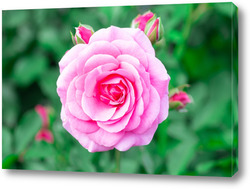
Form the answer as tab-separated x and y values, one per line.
96	109
74	108
158	75
110	34
95	48
141	39
90	145
105	138
133	139
116	126
99	60
150	114
164	108
133	49
64	79
71	55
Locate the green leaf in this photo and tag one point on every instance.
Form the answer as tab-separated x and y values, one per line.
107	164
180	157
37	165
73	38
6	142
80	159
29	68
47	83
9	161
205	167
39	150
14	18
225	8
26	130
174	105
10	104
147	160
179	131
49	39
175	36
215	106
161	134
128	166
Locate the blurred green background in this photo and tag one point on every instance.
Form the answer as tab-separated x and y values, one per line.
199	48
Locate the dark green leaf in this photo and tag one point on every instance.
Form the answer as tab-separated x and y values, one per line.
26	130
29	68
6	142
39	150
9	161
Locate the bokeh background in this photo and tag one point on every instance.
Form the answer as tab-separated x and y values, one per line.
199	48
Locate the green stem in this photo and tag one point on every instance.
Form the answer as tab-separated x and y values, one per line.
117	160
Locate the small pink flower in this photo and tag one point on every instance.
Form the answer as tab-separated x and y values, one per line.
114	91
83	33
44	134
150	25
180	97
141	20
42	111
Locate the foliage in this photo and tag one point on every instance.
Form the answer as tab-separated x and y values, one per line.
196	49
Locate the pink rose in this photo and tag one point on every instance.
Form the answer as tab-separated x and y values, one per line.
114	91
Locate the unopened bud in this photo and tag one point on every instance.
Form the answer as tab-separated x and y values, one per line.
82	35
150	25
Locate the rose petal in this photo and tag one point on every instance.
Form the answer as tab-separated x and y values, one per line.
110	34
164	108
65	122
117	126
133	49
105	138
136	116
150	114
80	125
158	75
74	108
95	48
98	60
141	39
91	145
71	55
64	79
96	75
96	109
132	139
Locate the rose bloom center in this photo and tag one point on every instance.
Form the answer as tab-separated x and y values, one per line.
112	91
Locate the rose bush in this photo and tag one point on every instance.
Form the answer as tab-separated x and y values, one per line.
114	91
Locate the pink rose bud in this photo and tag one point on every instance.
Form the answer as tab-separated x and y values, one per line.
42	112
82	35
44	134
179	100
150	25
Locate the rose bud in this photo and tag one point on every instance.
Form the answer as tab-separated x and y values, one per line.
150	25
82	35
42	112
44	133
179	100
